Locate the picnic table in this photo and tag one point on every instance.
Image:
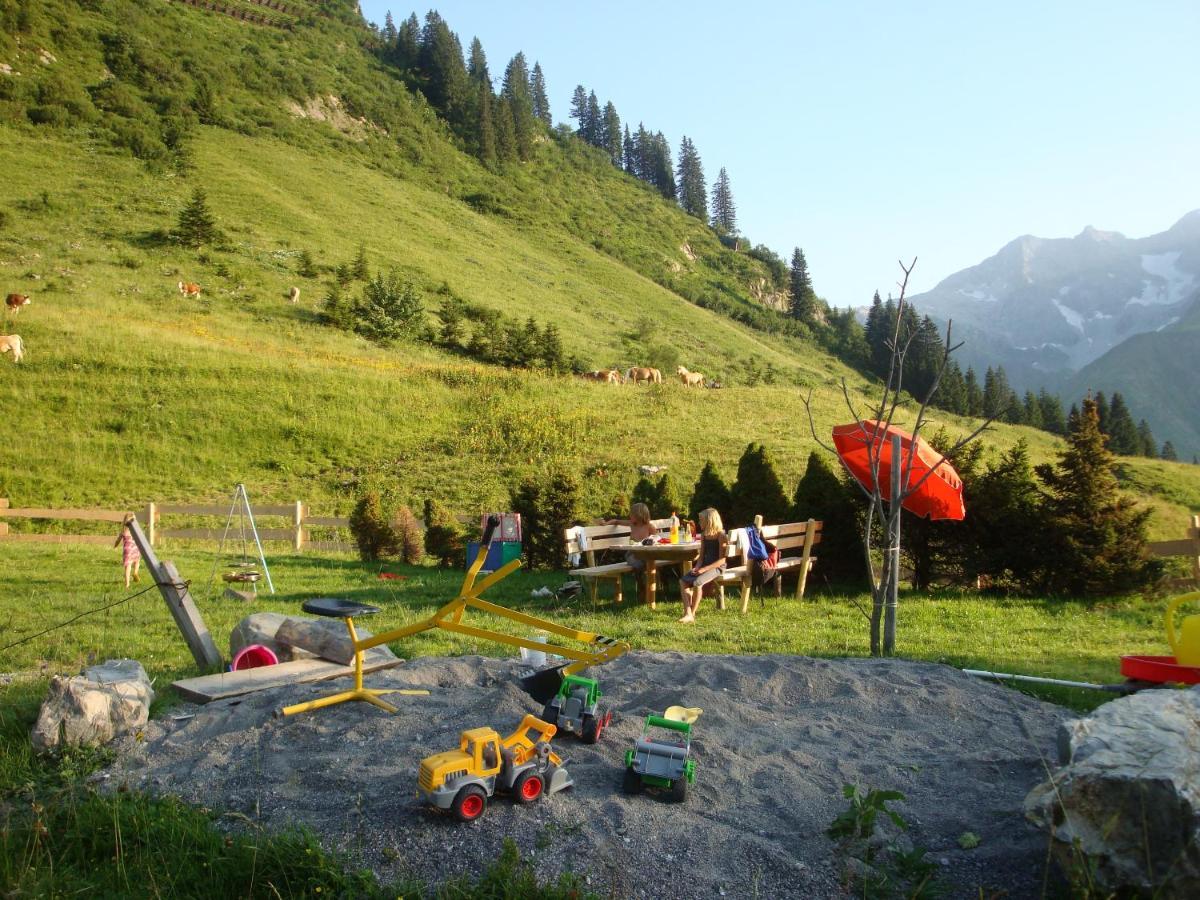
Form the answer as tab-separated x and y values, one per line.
682	554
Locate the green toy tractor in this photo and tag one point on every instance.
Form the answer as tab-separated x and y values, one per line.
576	708
661	758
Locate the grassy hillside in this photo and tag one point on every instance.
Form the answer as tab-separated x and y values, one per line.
131	392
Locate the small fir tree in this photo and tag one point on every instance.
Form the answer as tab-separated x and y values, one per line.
823	495
667	498
372	533
1095	538
1147	445
757	490
197	227
1169	453
307	267
710	491
388	310
802	296
359	269
548	506
645	492
444	539
410	541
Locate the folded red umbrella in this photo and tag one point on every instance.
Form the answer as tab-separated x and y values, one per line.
939	497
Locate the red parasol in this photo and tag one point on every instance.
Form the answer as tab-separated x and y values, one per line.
940	497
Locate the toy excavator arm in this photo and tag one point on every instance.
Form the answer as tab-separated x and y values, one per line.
524	747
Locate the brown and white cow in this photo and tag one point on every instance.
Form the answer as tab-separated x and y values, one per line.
14	302
189	289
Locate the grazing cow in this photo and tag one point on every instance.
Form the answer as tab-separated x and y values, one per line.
294	294
14	343
189	289
690	379
14	302
639	374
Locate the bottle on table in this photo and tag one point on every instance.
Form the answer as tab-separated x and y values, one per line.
674	528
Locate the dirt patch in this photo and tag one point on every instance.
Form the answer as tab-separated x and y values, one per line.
329	109
779	737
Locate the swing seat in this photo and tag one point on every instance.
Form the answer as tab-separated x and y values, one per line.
335	608
338	609
241	577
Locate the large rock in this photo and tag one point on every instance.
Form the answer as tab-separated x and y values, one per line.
1125	807
327	638
93	708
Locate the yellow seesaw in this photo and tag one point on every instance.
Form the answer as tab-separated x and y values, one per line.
541	685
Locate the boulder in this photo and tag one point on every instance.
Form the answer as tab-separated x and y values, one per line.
326	638
1125	806
93	708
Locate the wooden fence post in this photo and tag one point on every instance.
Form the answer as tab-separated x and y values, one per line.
151	521
299	523
179	602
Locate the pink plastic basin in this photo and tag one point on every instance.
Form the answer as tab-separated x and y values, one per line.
253	656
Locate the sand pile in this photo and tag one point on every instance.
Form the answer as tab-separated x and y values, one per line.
779	737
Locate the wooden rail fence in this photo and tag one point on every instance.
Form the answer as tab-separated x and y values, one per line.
296	531
1189	547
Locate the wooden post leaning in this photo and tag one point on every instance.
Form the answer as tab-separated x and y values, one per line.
179	601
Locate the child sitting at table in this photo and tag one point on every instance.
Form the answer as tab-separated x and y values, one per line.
639	529
713	547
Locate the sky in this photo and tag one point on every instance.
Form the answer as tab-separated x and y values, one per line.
869	132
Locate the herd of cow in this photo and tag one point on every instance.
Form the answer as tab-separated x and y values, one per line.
13	304
639	374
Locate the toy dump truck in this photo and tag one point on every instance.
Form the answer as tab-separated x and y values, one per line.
661	758
576	708
462	780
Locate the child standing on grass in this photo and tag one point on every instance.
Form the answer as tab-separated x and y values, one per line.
713	547
131	557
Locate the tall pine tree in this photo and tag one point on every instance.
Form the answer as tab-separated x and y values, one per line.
724	210
1122	433
515	93
537	92
693	194
612	134
803	305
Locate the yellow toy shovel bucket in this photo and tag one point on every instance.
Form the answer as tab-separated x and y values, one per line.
687	714
1185	647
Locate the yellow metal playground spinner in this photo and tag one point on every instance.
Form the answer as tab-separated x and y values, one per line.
541	685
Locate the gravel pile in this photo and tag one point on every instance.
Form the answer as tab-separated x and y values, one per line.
779	737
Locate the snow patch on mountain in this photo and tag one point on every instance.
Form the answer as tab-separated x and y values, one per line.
1074	319
1170	284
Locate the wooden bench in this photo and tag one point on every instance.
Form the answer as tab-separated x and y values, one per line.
605	537
792	535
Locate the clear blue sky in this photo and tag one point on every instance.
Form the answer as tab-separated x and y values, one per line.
869	131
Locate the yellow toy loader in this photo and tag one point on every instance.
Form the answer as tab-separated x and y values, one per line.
462	780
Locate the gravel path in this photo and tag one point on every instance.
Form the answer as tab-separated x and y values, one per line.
779	737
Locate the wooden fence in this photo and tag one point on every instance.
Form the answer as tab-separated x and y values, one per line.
295	529
1189	547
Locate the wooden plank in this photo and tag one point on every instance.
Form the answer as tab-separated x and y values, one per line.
1175	548
3	503
179	601
214	534
327	521
80	515
207	688
200	509
57	538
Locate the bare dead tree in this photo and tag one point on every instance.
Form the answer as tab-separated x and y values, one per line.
885	578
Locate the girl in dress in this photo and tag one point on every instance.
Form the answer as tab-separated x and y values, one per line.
131	557
713	547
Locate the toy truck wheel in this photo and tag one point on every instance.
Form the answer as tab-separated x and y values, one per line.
469	803
590	728
633	781
528	787
679	789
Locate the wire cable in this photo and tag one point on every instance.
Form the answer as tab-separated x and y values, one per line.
179	585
